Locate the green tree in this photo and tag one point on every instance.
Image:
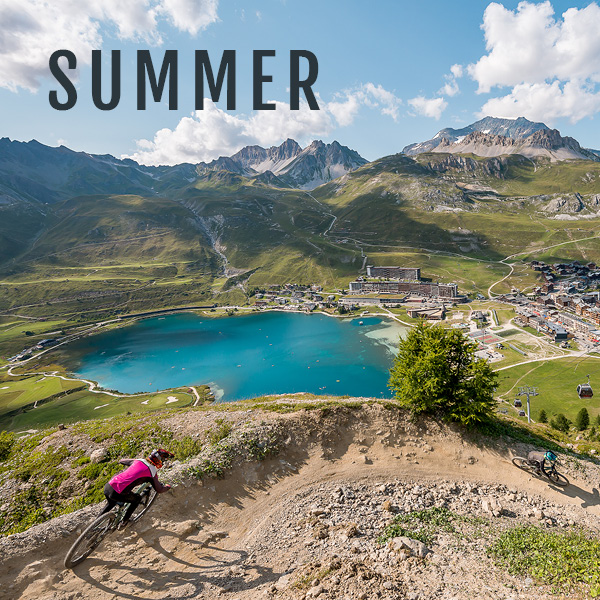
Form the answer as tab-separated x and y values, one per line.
436	372
582	420
543	418
597	421
560	422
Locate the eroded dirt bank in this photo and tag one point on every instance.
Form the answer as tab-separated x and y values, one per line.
305	523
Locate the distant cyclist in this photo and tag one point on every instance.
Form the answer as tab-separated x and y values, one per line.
120	487
541	459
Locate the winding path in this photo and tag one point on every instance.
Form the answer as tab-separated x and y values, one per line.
196	394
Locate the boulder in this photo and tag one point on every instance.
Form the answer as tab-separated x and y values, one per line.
415	547
99	455
315	591
491	506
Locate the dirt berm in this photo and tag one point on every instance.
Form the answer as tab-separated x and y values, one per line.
304	523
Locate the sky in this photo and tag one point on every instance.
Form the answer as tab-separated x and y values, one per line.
391	72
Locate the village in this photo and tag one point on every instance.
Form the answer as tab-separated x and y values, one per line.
563	307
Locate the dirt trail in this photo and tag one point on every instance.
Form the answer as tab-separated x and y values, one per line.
235	538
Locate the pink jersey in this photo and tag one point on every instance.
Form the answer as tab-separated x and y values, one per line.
139	471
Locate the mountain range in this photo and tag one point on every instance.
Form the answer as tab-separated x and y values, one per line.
33	172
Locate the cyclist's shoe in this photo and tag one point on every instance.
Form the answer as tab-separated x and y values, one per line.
123	524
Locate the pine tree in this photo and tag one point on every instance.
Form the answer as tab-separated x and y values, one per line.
582	420
436	372
543	418
560	422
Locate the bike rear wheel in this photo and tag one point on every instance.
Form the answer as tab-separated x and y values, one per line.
148	497
90	539
557	478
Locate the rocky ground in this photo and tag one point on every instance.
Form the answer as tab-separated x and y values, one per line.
334	531
308	522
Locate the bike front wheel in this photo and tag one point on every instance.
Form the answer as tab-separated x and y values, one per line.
557	478
90	539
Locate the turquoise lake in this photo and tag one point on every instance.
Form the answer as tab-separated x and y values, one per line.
243	357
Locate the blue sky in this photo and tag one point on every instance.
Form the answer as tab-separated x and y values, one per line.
390	72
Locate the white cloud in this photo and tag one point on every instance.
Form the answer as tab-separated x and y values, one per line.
457	71
190	15
450	88
545	102
33	29
552	64
519	43
212	132
345	111
378	97
529	45
346	105
428	107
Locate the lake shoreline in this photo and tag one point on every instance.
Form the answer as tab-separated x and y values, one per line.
246	357
130	320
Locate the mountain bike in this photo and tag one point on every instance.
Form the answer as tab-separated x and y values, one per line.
105	524
550	471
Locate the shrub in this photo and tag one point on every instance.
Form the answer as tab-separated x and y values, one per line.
80	461
221	431
543	418
420	525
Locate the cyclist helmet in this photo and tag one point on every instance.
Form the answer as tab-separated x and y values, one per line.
157	457
550	456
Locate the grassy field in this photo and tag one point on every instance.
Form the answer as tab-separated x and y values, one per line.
557	381
17	394
60	401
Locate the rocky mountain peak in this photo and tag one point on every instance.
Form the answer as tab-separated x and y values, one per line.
552	140
512	128
318	163
495	137
288	149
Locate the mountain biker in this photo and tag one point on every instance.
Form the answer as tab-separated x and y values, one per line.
540	459
120	487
